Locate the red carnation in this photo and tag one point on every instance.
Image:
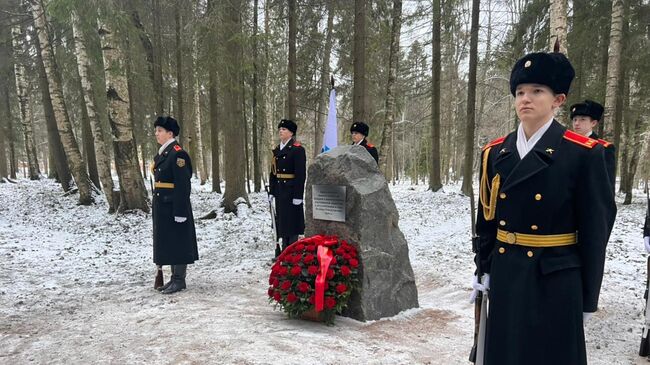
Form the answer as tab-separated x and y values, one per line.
303	287
291	298
354	263
271	291
330	302
330	274
286	285
345	271
295	271
347	256
271	278
341	288
300	247
282	271
333	262
310	248
276	282
309	258
312	270
340	251
312	299
277	296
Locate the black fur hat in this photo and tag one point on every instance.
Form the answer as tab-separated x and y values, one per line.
551	69
169	124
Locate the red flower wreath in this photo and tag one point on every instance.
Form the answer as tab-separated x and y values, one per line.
293	283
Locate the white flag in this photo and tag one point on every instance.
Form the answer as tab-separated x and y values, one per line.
330	139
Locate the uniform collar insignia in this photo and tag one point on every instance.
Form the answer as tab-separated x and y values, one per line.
550	151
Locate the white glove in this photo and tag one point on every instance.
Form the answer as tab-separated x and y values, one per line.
586	316
483	286
271	198
646	242
180	219
297	201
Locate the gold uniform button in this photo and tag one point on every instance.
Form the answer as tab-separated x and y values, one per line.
534	227
502	250
530	253
538	196
502	195
502	223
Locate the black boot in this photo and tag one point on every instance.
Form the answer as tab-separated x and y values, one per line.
167	284
178	280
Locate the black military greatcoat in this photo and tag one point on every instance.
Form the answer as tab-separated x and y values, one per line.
372	150
173	243
610	158
287	182
538	294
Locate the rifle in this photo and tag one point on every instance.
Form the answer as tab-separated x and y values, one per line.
159	280
476	355
273	218
644	349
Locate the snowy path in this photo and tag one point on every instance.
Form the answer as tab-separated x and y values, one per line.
77	289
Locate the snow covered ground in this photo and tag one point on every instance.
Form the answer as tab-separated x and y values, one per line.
76	288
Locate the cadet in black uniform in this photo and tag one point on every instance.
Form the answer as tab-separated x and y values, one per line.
359	132
585	116
545	215
287	182
174	235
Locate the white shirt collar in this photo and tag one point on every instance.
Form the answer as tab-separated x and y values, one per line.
359	143
526	145
282	145
162	148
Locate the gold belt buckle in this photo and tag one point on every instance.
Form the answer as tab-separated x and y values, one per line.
511	238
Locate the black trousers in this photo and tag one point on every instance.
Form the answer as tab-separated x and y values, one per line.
286	241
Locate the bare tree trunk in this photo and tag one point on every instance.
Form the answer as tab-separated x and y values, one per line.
613	73
179	76
558	24
88	142
159	93
234	153
103	160
323	99
292	102
20	48
636	146
61	171
434	173
257	178
198	143
213	102
386	147
133	194
70	146
359	101
471	102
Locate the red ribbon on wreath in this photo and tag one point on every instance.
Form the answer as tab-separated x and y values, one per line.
325	256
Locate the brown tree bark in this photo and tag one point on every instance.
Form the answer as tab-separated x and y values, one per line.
70	146
90	105
386	147
234	153
133	194
468	163
292	97
359	98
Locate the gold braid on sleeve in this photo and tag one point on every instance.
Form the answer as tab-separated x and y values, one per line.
487	192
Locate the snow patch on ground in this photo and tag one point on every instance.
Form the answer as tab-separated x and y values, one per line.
77	288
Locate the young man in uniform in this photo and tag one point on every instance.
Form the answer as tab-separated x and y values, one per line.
544	218
585	117
359	132
287	183
174	235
